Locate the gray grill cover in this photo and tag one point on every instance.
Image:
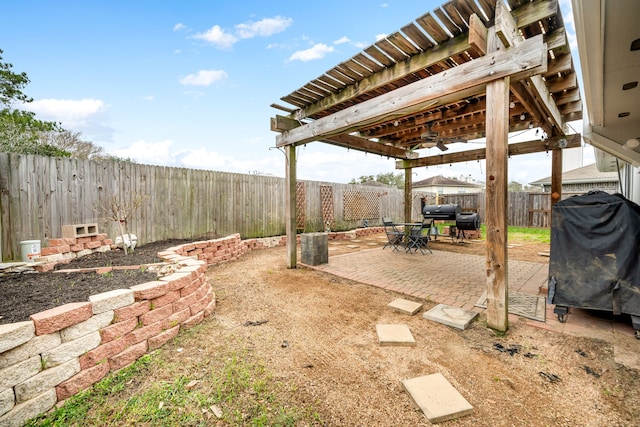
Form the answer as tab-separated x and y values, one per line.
595	254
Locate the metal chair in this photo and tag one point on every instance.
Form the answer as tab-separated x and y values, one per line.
416	240
395	237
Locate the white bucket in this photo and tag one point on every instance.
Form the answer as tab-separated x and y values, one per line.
29	250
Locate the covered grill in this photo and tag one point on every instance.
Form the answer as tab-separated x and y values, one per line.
594	255
452	212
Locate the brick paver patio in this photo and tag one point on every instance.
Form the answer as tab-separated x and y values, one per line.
442	277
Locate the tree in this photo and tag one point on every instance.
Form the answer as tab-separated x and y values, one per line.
394	180
20	131
73	143
515	187
121	212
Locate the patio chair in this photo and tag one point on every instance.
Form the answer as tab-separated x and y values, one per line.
416	240
395	237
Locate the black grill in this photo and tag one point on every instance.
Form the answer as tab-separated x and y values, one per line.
442	212
468	221
452	212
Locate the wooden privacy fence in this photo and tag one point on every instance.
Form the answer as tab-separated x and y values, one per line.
523	209
38	195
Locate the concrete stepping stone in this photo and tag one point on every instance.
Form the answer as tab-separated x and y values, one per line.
395	335
405	306
437	398
451	316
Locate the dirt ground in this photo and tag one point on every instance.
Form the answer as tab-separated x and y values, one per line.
316	333
320	335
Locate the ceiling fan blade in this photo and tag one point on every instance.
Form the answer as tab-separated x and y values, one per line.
441	146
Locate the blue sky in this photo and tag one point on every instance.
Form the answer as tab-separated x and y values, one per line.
190	83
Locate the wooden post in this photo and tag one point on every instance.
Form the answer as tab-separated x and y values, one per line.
408	196
556	176
497	130
290	209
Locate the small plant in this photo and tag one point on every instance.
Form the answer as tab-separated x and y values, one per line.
121	212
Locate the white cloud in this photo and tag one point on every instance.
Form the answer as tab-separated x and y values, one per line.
381	36
204	78
66	109
345	39
217	37
263	28
317	51
156	153
202	159
88	116
179	26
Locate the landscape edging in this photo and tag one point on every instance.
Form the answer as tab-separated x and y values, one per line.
67	349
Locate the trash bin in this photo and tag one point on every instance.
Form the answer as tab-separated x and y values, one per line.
29	250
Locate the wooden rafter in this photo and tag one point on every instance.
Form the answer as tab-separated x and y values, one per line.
527	59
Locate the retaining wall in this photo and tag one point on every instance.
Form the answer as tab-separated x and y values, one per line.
64	350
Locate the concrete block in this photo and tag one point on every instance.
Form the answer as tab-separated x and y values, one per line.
451	316
93	324
82	380
30	409
79	230
149	290
111	300
128	356
31	348
395	335
45	380
7	401
405	306
314	248
71	349
19	372
61	317
437	398
14	334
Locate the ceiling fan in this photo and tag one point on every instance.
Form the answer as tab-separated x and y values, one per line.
432	138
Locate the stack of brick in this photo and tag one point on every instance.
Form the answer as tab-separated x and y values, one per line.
62	251
212	251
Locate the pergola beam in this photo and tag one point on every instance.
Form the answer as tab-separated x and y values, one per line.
283	124
528	147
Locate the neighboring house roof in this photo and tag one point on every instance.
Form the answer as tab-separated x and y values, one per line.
441	181
584	174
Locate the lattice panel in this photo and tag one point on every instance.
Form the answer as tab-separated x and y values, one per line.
326	199
361	205
301	204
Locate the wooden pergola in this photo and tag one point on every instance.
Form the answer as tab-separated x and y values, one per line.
468	70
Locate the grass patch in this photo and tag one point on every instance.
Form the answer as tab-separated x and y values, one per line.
526	234
231	386
516	234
